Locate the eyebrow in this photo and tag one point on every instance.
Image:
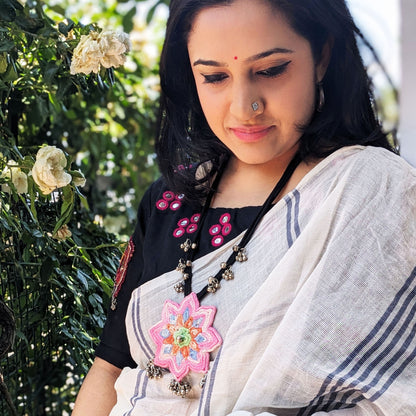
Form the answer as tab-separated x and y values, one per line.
253	58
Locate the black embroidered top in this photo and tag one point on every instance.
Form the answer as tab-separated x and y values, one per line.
164	222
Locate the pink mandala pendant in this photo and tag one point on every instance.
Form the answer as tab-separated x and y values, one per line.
185	337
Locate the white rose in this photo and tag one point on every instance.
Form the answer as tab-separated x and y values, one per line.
87	55
18	178
114	46
48	171
78	179
63	233
106	48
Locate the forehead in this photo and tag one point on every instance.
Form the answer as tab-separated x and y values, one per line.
242	28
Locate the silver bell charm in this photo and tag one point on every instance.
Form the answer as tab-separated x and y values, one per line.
213	285
180	388
152	370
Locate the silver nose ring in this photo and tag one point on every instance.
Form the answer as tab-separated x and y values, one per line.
255	106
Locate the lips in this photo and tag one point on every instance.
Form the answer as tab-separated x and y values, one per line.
251	133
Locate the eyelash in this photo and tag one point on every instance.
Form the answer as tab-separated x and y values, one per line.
272	72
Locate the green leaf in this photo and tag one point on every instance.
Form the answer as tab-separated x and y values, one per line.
7	45
3	63
128	23
10	75
57	8
83	278
63	28
3	86
29	23
67	207
7	11
68	199
37	234
46	269
50	72
32	195
15	4
151	13
38	112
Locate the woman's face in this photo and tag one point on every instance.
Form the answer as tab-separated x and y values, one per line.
247	52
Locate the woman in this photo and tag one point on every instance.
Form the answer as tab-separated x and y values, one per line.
300	305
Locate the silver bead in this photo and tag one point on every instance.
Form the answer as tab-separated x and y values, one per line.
186	245
223	265
180	388
152	370
213	285
241	256
181	266
179	287
228	274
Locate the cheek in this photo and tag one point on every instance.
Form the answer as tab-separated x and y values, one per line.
300	100
211	106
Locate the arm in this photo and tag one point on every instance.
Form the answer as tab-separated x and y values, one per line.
97	395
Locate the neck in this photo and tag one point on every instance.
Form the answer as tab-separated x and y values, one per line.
249	184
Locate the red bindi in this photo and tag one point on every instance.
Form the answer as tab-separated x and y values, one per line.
235	57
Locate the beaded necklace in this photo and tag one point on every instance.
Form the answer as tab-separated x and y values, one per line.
185	335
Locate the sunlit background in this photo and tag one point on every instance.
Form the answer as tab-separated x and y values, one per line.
381	23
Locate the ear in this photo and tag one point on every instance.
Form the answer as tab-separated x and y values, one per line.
323	63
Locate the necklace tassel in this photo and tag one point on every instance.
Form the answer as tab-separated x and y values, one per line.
213	285
180	388
152	370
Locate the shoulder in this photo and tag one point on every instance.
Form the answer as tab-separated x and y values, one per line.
360	181
159	197
154	191
377	171
376	161
365	170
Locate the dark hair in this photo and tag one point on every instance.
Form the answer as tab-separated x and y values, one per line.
347	118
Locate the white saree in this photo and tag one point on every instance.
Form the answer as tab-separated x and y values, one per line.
320	320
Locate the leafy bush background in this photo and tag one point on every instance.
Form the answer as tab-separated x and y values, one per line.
59	290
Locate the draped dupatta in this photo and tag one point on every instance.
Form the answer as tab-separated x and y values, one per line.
321	318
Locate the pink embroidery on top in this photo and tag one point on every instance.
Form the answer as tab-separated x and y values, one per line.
175	205
225	218
218	231
217	240
186	225
195	218
179	232
162	205
226	229
169	200
191	228
168	196
173	201
215	229
184	222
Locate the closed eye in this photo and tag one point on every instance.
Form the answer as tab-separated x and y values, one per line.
274	71
214	78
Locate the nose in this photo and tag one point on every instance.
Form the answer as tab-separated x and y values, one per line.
245	103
